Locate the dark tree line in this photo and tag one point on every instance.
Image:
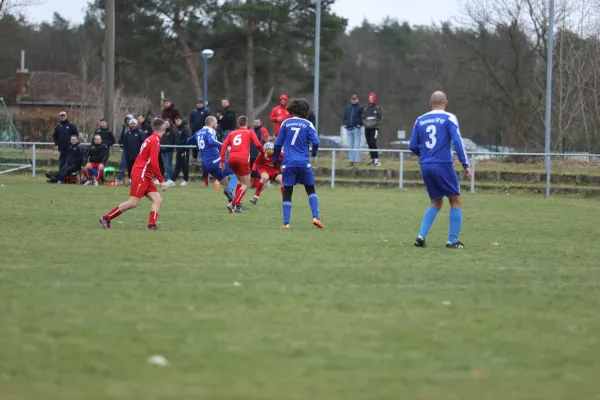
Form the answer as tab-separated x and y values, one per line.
491	62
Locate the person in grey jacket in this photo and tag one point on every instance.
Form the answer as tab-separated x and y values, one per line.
372	117
353	122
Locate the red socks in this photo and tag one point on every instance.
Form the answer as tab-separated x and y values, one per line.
113	214
206	181
259	188
239	195
153	218
87	174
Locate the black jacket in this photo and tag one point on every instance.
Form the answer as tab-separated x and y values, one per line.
183	132
228	122
132	143
311	117
372	116
146	128
169	138
107	136
97	153
198	118
253	149
62	134
76	154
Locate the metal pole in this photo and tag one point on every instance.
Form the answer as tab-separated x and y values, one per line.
317	63
401	170
109	74
549	92
333	169
473	173
33	161
205	81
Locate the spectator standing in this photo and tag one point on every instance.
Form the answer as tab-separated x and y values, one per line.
97	157
132	143
197	121
263	135
372	118
353	123
74	160
123	162
169	111
145	125
105	134
183	154
166	153
279	113
312	118
62	137
226	118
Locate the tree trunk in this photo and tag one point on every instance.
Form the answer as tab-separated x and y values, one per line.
189	59
250	68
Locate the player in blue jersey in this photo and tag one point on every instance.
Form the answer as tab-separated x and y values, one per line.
295	136
210	153
431	140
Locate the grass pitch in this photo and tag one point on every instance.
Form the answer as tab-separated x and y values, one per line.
242	310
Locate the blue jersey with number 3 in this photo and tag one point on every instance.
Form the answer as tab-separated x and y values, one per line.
432	138
295	136
209	146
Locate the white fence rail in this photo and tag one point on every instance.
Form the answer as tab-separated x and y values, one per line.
335	153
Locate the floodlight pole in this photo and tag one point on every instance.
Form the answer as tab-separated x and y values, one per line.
109	64
548	123
317	63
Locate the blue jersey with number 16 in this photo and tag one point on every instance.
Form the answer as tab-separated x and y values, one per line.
432	138
209	146
295	136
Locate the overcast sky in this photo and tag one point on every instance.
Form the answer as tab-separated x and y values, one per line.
415	12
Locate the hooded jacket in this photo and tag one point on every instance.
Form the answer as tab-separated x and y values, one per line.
132	143
372	114
279	111
169	139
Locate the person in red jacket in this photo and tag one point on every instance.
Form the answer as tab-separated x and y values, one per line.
239	159
280	113
146	165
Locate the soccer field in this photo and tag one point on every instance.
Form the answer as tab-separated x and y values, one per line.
243	310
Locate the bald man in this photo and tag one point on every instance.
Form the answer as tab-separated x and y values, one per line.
431	140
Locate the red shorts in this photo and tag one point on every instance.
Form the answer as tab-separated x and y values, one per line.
272	172
141	187
239	167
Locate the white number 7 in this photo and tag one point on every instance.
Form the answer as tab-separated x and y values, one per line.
296	132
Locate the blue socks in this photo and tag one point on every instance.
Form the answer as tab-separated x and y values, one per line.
455	224
287	212
428	219
313	200
232	182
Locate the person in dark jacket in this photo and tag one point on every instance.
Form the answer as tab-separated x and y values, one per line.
197	121
73	162
166	153
123	162
62	136
371	118
97	157
107	136
169	111
263	135
132	143
182	162
312	118
226	118
353	123
145	125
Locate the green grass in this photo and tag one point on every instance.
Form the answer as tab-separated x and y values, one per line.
353	312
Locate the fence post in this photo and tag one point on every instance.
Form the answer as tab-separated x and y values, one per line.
33	162
473	173
333	169
401	169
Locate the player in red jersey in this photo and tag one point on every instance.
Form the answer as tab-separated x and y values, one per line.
266	169
239	159
146	165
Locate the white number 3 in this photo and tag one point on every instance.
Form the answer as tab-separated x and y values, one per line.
432	131
237	140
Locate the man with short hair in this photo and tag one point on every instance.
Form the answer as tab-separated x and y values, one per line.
353	123
279	113
372	118
73	162
145	125
97	157
132	143
182	155
105	134
169	138
226	118
63	132
431	140
197	122
169	111
146	165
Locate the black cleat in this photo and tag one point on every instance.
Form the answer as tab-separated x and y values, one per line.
455	245
420	242
241	208
254	200
227	194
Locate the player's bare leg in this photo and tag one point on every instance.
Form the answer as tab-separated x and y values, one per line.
428	219
264	178
156	200
455	223
279	179
313	201
132	202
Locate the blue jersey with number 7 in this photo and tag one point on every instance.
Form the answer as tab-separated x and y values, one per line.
432	138
295	136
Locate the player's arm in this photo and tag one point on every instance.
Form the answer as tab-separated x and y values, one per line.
226	144
279	144
415	139
154	154
314	139
458	143
212	141
192	140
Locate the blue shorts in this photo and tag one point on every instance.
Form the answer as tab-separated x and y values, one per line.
297	175
217	173
440	180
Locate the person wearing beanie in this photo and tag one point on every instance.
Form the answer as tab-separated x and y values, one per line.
372	118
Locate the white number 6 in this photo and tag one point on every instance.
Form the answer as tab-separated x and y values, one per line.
431	129
237	140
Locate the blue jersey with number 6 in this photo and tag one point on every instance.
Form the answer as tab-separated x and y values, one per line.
209	146
295	136
432	138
